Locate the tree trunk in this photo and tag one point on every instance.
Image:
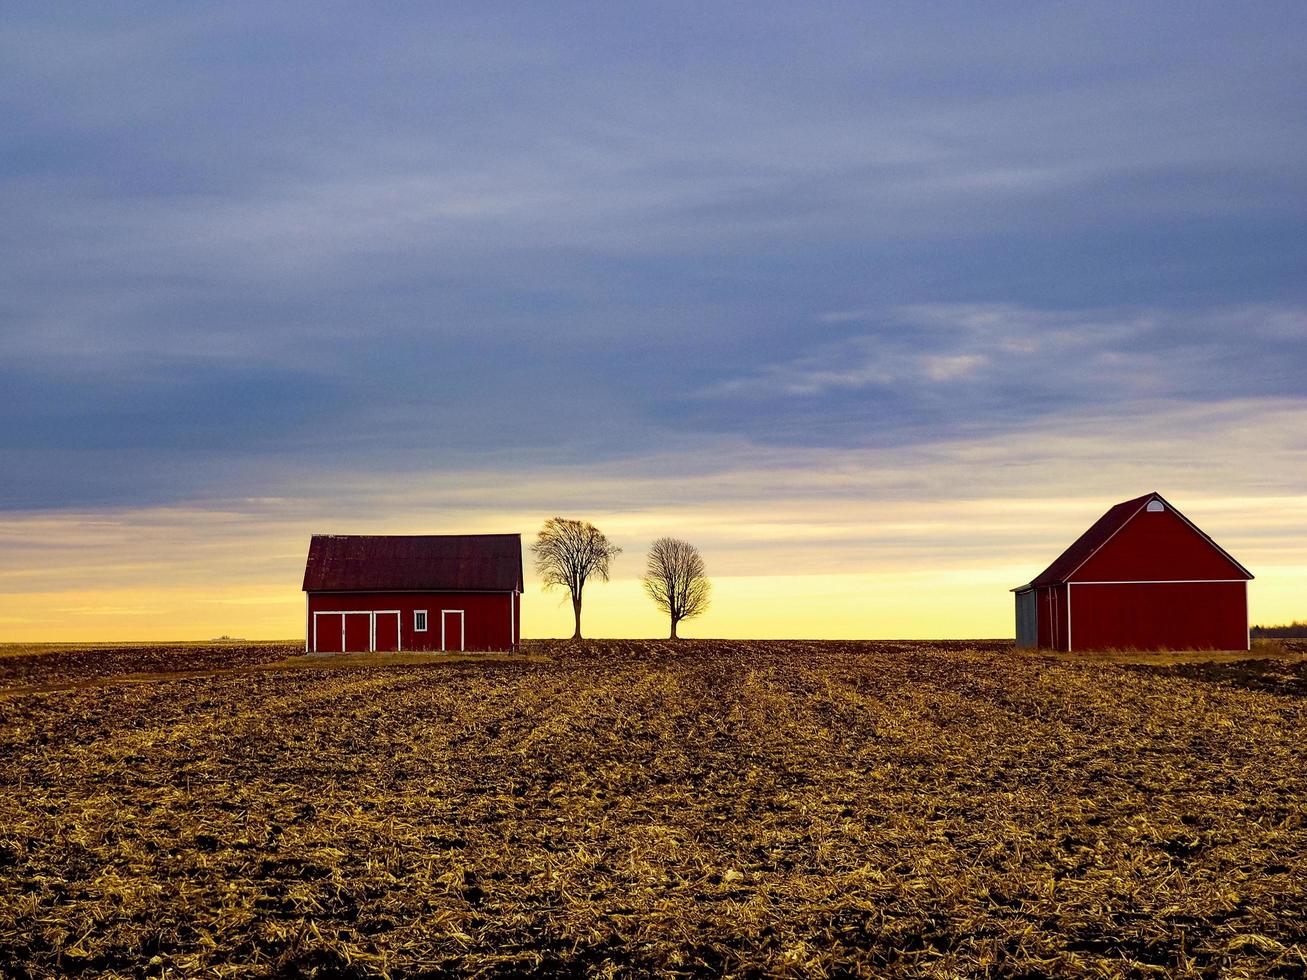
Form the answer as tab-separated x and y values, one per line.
576	610
673	636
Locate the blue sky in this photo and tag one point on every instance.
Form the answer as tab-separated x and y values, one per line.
296	252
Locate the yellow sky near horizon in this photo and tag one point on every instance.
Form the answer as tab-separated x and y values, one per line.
781	568
887	606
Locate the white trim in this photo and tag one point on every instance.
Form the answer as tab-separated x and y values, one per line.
462	629
308	622
372	626
329	612
512	622
1166	581
342	613
1192	526
1208	538
344	631
426	621
399	627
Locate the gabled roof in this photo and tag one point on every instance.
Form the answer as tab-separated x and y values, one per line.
1100	532
414	563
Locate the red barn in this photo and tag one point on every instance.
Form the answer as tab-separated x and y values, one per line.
1143	577
413	592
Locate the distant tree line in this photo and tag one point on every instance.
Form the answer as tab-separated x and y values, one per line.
568	553
1294	630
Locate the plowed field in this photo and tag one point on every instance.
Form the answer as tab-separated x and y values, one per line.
640	808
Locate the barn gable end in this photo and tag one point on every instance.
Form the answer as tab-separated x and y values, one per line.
1143	576
1158	545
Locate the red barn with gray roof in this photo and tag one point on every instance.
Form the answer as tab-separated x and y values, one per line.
413	592
1143	577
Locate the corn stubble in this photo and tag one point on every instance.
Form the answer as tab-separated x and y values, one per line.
633	808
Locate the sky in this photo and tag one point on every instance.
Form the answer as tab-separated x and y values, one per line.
878	305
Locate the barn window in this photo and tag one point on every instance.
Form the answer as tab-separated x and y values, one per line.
419	620
1155	507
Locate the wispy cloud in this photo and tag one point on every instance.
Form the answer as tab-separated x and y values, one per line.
1005	362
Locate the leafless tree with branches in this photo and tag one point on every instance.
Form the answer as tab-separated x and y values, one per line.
675	579
567	553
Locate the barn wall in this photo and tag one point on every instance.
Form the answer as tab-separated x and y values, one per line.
1163	616
1044	618
486	618
1156	546
1061	632
1050	615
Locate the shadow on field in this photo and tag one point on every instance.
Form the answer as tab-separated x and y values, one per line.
1271	675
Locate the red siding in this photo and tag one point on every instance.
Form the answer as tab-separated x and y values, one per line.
1063	611
1044	610
358	632
1050	613
1156	546
329	635
1166	616
1142	579
486	619
387	631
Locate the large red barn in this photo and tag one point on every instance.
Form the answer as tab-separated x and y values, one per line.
413	592
1143	577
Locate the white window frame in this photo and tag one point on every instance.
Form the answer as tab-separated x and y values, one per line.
426	621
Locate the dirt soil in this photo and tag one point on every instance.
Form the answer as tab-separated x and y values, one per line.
35	666
638	808
1278	675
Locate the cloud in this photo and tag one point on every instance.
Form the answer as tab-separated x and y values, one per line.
944	369
275	252
953	367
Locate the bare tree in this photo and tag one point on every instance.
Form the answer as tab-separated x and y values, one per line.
675	579
567	553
